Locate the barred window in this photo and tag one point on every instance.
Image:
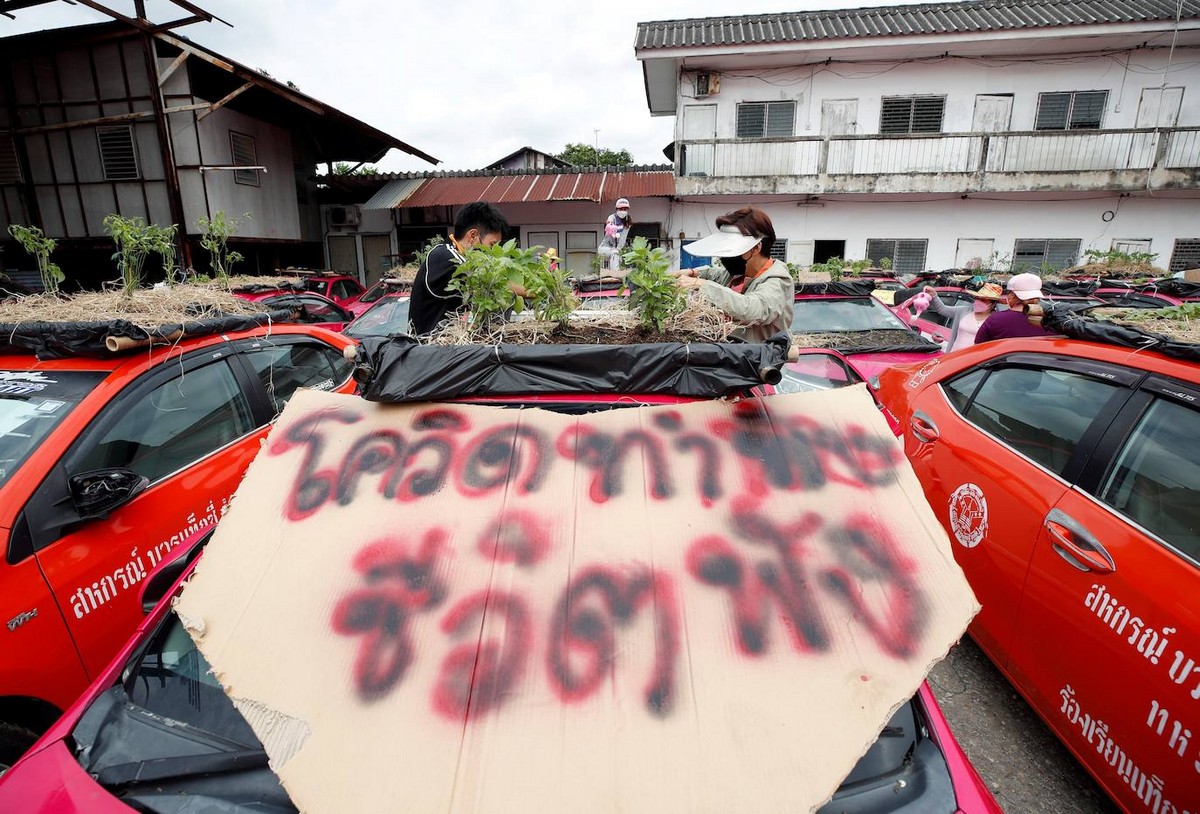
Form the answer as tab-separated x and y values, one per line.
118	155
1185	255
766	119
244	155
779	249
1034	254
907	256
912	114
1079	110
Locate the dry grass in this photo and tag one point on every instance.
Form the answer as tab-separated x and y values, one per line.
1179	328
1116	271
147	308
851	341
609	324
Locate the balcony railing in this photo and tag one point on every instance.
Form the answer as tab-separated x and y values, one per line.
979	154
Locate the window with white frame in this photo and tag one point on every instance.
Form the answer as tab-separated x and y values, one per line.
118	154
1131	245
907	255
911	114
1038	254
241	146
1076	110
766	119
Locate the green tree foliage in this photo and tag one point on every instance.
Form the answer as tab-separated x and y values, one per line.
342	168
585	155
34	241
654	294
214	237
136	240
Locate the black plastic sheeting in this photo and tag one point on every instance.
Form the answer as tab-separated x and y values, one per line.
1172	288
400	369
845	288
62	340
1069	288
1079	326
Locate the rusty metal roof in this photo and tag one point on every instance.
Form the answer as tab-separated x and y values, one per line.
930	18
599	187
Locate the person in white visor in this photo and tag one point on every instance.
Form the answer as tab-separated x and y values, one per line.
753	290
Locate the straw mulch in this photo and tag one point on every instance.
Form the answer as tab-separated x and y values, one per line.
1181	329
852	341
1116	271
147	308
701	322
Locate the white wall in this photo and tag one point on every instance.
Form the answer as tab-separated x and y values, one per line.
960	80
944	222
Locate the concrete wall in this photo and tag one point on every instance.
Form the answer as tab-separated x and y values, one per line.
943	223
960	80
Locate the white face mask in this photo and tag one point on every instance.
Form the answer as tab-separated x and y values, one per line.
623	214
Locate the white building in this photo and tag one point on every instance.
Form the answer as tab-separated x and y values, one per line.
940	133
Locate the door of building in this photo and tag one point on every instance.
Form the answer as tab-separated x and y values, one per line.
375	250
1158	107
993	114
839	117
343	254
971	249
699	123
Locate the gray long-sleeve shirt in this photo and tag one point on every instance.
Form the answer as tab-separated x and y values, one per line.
763	309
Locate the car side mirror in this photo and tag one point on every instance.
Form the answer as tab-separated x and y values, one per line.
98	492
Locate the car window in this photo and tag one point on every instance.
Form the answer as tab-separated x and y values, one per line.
32	403
283	369
1155	481
831	315
389	316
173	425
1040	413
343	289
960	390
935	318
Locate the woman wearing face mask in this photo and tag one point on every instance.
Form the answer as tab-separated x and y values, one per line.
753	290
616	233
966	318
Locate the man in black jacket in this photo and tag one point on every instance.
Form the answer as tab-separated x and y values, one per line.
477	224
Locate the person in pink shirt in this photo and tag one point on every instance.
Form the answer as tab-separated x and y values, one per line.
966	319
1022	292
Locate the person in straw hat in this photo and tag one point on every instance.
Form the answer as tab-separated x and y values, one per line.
967	318
1023	292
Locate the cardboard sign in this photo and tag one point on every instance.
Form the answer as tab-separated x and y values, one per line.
704	607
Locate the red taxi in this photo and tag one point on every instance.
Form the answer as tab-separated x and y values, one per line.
343	289
107	466
1067	473
388	286
309	308
156	732
846	318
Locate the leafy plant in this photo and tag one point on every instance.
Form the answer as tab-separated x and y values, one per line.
491	277
654	293
585	155
999	261
859	266
597	263
214	237
135	240
794	270
834	267
885	263
1113	257
34	241
427	247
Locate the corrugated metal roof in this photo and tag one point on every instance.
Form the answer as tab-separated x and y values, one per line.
393	194
502	189
933	18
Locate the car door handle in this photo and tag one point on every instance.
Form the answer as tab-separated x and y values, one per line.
923	428
1076	544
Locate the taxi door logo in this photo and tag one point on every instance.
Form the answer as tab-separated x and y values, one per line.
968	515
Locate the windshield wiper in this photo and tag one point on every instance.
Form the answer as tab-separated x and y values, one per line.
180	767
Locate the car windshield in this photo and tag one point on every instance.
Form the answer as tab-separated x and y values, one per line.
32	403
837	315
378	290
384	318
167	735
816	371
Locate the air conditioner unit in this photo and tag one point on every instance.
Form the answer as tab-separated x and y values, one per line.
344	215
707	84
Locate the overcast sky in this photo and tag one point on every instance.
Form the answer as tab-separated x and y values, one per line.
467	81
